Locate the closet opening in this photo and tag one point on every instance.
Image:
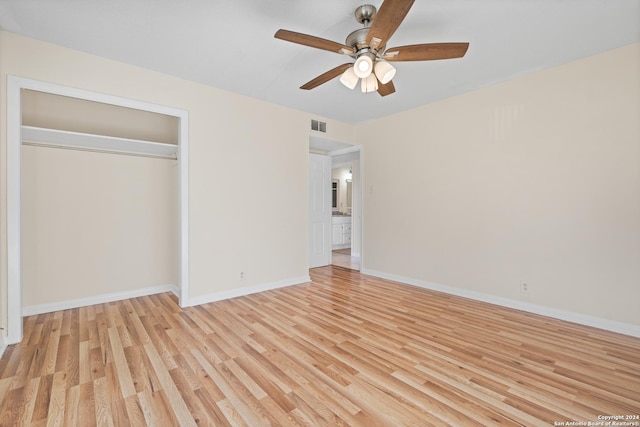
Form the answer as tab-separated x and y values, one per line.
97	199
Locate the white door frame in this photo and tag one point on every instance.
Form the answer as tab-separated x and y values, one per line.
14	167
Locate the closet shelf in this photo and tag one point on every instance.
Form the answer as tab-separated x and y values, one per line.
85	141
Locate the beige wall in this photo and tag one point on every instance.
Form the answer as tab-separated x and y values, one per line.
110	221
51	111
248	164
95	224
534	180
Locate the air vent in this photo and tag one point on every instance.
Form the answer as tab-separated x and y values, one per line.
319	126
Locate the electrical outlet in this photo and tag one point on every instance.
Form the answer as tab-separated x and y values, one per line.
242	275
524	288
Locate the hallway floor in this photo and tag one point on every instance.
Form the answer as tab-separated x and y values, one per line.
343	258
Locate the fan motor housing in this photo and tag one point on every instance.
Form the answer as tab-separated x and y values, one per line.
358	38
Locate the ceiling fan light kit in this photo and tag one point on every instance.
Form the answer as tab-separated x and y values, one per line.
384	71
363	66
367	46
369	84
349	78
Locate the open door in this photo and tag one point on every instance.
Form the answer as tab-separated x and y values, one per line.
319	210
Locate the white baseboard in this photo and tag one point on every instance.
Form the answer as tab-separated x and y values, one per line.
583	319
97	299
233	293
203	299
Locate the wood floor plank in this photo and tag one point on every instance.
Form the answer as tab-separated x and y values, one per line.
36	333
72	407
21	375
63	354
73	364
30	391
232	405
176	401
86	409
119	413
42	398
194	405
84	365
266	376
56	412
343	350
134	411
121	365
155	409
102	400
209	405
49	363
38	364
231	414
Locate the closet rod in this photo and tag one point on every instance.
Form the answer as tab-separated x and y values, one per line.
98	150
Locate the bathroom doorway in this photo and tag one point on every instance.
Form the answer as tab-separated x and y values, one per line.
346	210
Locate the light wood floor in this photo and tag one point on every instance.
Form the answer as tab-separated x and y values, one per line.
346	349
343	258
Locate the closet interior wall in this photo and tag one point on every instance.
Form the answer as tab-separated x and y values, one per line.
96	223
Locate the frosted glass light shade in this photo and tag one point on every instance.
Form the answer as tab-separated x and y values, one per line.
363	66
349	78
370	84
384	71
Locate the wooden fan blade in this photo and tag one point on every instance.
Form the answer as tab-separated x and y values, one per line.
323	78
387	89
426	52
313	41
386	21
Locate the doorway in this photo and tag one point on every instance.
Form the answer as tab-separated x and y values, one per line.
346	209
343	205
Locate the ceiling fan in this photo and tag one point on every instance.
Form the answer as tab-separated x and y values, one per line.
367	46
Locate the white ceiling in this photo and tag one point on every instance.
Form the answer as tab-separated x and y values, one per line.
229	44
